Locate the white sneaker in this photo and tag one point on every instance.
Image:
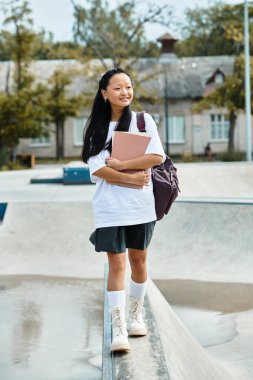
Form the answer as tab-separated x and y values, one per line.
136	323
119	330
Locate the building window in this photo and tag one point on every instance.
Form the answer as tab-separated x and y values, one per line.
176	129
40	141
219	78
219	127
79	124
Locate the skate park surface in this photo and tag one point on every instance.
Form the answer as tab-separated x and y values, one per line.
200	258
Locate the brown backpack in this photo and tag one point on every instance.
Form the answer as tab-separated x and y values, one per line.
164	178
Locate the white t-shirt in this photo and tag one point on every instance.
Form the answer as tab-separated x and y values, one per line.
121	206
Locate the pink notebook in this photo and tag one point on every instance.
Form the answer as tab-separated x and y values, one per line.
127	146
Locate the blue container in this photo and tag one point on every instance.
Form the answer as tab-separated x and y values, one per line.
3	207
76	176
46	180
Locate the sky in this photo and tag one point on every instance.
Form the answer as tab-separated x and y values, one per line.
57	16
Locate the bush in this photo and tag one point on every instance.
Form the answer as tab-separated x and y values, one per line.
189	157
4	168
12	166
233	155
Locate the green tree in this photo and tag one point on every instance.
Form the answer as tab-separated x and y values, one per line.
46	48
20	40
60	105
22	115
231	95
116	36
213	30
22	105
5	52
65	50
27	107
117	33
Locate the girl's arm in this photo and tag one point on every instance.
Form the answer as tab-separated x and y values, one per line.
141	163
109	174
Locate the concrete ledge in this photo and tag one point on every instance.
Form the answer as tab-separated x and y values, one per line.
107	357
76	176
185	358
224	201
168	352
145	360
46	179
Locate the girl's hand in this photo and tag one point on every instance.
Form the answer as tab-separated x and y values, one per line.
114	164
141	178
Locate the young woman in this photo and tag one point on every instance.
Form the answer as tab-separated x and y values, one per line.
124	217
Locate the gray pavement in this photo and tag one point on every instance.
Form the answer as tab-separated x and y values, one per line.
217	180
15	187
50	328
232	181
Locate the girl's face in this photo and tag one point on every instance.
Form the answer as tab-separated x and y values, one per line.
119	91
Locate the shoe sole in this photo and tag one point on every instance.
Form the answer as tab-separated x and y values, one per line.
120	347
137	332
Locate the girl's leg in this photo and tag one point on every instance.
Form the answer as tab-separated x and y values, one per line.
117	297
137	259
117	267
138	286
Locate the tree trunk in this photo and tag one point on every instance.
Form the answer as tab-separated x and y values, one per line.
14	153
60	139
3	154
232	121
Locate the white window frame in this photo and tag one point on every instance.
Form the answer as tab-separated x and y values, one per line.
83	121
223	125
174	126
40	142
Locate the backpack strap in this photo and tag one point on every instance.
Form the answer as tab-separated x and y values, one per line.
141	121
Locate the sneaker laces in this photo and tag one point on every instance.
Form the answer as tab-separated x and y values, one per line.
136	310
120	328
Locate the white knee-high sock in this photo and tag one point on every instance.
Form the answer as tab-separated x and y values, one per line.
138	290
116	298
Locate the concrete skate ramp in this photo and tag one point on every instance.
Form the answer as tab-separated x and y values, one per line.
200	241
204	241
185	358
49	239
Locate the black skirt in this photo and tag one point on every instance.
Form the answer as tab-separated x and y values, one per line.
118	239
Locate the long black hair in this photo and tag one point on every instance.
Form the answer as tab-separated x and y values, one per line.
96	128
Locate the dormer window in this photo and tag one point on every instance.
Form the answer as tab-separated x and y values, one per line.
218	79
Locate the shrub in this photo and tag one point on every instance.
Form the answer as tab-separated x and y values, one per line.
12	166
233	155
